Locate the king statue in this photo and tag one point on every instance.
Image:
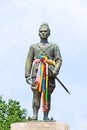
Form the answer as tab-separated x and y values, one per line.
42	57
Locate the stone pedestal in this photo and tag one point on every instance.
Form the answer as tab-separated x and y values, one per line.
39	126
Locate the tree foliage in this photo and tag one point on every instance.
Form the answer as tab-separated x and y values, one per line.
10	112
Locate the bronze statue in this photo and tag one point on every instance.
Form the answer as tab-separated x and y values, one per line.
48	55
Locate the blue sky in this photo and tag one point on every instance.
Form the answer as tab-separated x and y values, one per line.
19	24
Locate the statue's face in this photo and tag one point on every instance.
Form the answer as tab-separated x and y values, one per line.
44	32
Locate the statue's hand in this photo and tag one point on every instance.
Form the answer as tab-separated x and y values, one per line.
54	73
28	80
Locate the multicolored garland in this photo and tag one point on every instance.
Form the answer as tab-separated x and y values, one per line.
42	78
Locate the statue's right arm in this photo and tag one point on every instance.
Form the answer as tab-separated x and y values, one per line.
29	62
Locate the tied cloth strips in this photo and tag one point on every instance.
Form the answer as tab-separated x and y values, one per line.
42	78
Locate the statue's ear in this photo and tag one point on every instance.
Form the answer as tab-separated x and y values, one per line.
49	34
39	34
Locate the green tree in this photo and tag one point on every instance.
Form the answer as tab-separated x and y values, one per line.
10	112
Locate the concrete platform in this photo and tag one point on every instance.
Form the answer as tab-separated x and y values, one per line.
37	125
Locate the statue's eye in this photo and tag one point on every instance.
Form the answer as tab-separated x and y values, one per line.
43	31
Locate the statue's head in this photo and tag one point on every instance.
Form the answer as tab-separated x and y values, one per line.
44	31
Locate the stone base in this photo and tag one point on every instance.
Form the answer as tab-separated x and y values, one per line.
37	125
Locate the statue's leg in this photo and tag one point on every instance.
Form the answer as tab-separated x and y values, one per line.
45	116
36	104
50	91
45	113
35	113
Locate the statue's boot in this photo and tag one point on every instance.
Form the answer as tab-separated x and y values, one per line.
35	113
45	116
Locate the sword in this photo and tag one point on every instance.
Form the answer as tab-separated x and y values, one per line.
62	85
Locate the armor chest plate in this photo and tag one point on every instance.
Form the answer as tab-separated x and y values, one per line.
46	50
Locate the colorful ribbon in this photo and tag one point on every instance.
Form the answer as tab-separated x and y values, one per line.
42	78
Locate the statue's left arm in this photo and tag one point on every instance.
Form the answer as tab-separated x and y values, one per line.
58	60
